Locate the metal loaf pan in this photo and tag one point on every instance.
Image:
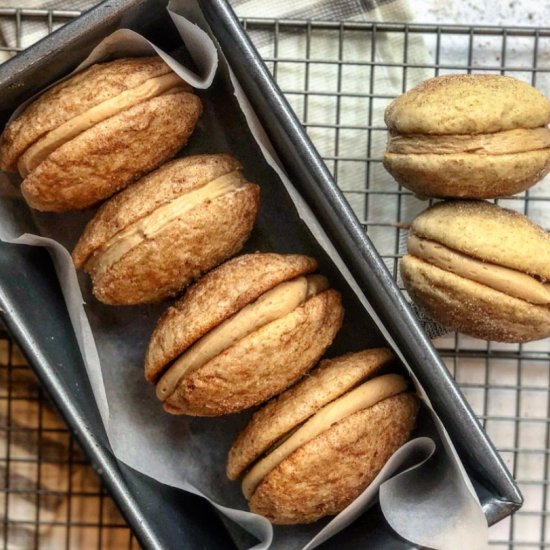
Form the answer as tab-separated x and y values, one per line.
162	517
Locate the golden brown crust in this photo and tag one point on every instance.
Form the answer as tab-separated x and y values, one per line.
332	379
262	364
163	265
467	175
151	191
112	154
73	97
487	232
216	297
326	474
472	308
468	104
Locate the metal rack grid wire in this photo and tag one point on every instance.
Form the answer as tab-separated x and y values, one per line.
338	76
50	498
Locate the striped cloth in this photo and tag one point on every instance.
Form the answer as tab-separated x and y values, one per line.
334	10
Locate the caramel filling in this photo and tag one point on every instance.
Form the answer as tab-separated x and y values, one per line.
151	88
272	305
159	219
364	396
504	279
499	143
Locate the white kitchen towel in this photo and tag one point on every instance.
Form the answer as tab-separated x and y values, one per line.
334	10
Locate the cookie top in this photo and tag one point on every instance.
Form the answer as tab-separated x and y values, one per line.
112	154
487	232
216	297
262	364
324	475
73	97
161	254
332	379
468	104
141	199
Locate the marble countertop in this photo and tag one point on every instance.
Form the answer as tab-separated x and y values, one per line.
483	12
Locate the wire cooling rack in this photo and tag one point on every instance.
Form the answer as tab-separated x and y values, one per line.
338	77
